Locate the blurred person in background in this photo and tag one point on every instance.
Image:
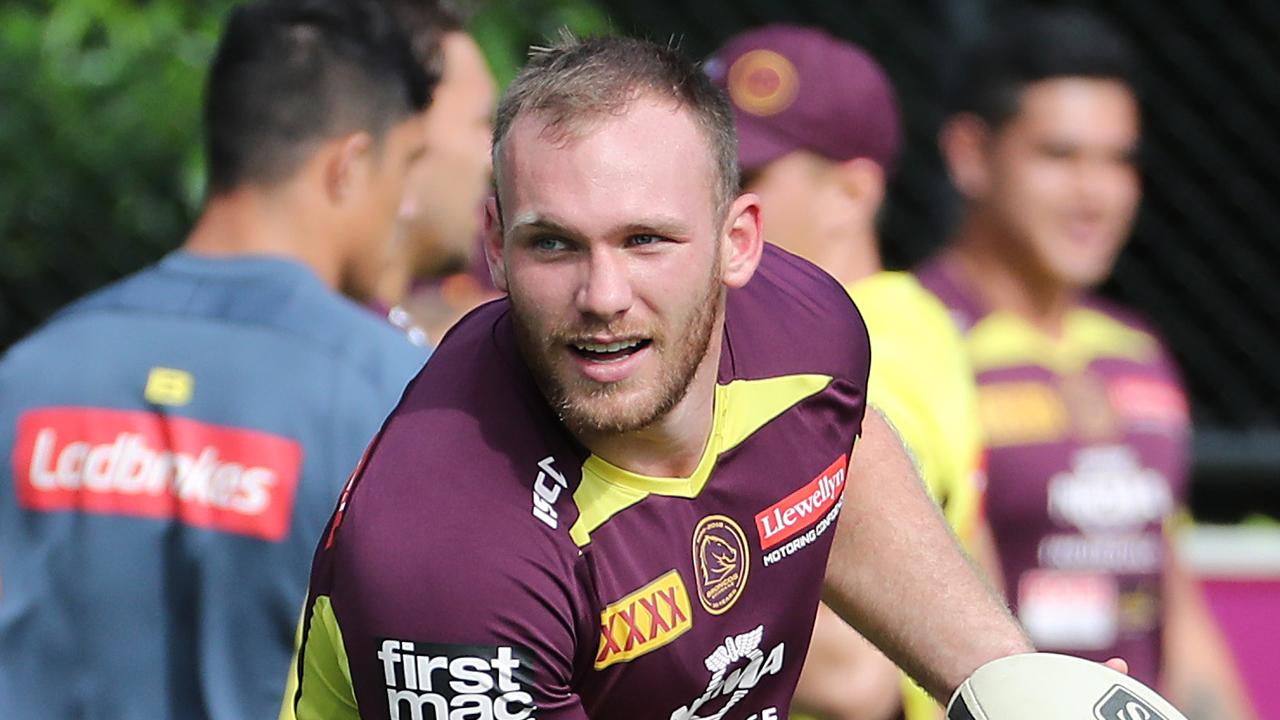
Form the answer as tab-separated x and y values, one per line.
432	283
178	439
1083	411
819	135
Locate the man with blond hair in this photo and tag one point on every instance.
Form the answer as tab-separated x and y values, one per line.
614	493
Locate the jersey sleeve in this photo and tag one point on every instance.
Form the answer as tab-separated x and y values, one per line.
327	690
507	674
420	610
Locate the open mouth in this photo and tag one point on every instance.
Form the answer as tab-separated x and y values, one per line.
609	352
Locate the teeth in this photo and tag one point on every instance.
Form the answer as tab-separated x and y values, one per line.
610	348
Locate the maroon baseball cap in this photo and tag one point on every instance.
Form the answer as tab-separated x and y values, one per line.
799	88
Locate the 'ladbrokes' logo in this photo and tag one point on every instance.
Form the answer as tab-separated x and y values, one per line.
144	464
433	681
644	621
720	562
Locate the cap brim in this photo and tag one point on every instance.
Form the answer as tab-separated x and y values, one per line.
759	144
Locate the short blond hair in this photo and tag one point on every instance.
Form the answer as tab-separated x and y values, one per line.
577	82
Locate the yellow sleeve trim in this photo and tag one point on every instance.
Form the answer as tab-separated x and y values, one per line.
916	703
327	692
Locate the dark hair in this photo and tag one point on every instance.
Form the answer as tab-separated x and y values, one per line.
289	74
577	82
1034	45
426	22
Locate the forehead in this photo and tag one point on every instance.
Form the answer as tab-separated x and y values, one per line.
465	69
1079	108
650	159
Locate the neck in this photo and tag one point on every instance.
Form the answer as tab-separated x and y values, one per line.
394	284
850	259
252	221
1005	281
673	445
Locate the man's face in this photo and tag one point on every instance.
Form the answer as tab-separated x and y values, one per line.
377	183
611	255
1062	177
440	217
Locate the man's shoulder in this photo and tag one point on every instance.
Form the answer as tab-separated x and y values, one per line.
55	337
274	306
113	296
1127	317
465	465
472	431
476	363
242	294
1111	330
939	276
928	350
474	409
355	334
793	318
887	297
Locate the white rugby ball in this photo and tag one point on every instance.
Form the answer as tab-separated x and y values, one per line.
1046	686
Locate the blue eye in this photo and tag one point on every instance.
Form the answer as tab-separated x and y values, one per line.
549	243
643	240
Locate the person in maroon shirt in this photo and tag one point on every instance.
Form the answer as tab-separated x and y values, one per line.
1083	410
613	493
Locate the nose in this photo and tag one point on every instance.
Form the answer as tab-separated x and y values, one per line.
409	206
1106	181
605	292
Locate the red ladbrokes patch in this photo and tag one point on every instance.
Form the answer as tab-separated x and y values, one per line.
119	462
802	508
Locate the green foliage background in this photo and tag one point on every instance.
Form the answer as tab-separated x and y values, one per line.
101	164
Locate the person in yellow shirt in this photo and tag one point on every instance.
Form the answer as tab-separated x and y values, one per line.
818	153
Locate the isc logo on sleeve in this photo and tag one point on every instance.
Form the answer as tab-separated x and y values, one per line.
142	464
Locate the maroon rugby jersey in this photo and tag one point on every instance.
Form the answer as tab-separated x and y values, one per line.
483	564
1087	437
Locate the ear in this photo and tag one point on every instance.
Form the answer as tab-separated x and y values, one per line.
493	249
963	141
741	241
863	181
349	162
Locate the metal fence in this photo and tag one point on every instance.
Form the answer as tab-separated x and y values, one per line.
1204	264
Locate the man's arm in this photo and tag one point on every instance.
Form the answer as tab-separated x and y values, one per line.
897	575
845	677
1199	672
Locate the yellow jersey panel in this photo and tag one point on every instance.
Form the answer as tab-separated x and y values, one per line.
922	382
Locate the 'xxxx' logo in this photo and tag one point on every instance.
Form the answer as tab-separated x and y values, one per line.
644	621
